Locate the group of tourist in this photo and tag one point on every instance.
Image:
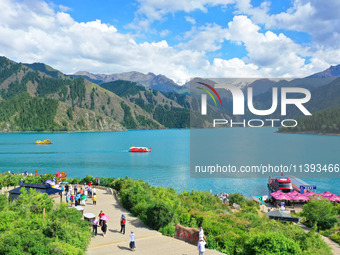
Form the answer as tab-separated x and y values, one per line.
79	197
102	222
224	197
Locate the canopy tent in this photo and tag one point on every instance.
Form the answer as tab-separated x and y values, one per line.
334	198
42	188
279	215
276	193
293	193
300	197
256	199
326	194
283	196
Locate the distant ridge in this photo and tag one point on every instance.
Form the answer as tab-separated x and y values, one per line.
149	80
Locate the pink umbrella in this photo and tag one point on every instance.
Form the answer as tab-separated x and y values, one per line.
283	197
276	193
326	194
334	198
293	193
105	217
301	198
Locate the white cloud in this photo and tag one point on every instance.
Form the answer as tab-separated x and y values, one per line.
37	33
151	10
318	18
276	54
205	38
190	20
164	32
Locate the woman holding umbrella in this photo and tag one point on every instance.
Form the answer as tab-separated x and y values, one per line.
104	219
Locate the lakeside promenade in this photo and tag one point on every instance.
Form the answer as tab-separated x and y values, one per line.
148	241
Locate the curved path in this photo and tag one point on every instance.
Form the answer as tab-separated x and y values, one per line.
148	241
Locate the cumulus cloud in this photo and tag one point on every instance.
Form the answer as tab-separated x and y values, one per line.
205	38
318	18
190	20
38	32
151	10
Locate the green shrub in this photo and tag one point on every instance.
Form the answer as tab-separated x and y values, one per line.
320	212
237	198
159	215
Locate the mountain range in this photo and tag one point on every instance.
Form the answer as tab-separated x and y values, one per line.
149	80
37	97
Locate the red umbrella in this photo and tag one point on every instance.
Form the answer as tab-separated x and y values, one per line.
58	174
326	194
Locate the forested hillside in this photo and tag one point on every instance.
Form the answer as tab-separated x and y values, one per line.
170	109
36	97
323	122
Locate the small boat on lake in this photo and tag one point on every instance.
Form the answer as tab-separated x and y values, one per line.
139	149
47	141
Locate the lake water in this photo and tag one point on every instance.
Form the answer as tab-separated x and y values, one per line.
106	154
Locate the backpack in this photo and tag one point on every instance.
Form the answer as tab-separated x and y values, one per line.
123	221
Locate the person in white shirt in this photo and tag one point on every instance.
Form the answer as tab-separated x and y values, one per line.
201	247
201	234
132	241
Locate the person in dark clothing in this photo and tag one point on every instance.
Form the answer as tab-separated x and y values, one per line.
104	227
94	226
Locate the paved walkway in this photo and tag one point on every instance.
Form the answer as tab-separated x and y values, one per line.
148	241
334	246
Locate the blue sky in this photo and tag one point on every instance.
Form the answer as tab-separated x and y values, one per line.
180	39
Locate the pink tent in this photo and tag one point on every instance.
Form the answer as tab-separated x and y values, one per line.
293	193
301	197
326	194
276	193
283	197
334	198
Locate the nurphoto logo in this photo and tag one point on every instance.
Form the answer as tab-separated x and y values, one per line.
301	97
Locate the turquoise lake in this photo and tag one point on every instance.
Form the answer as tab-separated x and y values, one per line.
106	154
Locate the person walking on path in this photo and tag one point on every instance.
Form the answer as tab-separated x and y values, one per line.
201	234
72	199
86	194
94	198
94	226
104	227
70	189
101	214
122	224
201	247
83	198
132	241
75	188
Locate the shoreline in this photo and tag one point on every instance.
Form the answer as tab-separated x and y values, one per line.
308	133
83	131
